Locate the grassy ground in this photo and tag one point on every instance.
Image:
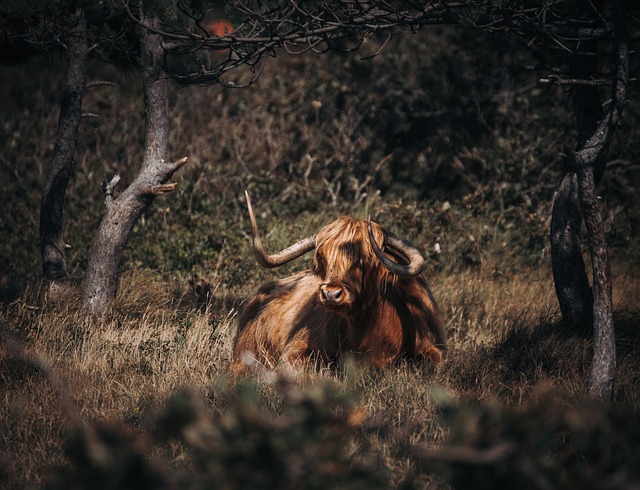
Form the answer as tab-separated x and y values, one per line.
506	345
146	390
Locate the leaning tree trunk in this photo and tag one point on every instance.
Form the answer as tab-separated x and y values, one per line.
569	272
577	194
603	367
101	278
52	244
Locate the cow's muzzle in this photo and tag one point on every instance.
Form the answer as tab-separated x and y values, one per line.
334	295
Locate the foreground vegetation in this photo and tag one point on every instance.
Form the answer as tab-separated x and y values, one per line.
143	397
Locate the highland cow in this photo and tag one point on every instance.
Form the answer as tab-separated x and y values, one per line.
365	295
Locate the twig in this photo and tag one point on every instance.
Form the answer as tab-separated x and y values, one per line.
100	83
108	188
466	455
556	80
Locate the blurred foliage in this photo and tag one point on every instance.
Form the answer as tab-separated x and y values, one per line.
318	439
311	443
546	443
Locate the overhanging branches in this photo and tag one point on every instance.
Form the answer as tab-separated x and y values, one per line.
262	28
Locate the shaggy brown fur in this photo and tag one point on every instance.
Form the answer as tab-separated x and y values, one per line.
347	303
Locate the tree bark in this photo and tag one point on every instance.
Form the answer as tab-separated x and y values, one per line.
569	272
52	244
577	194
101	278
603	367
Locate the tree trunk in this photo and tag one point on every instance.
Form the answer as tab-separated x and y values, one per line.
52	245
101	278
569	273
603	366
595	130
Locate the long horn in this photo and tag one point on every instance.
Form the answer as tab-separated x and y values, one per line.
402	247
282	257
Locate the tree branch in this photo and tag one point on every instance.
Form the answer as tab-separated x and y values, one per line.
297	27
557	80
159	189
466	455
108	188
175	166
100	83
603	367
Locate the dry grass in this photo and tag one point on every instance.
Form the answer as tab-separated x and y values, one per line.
117	368
506	343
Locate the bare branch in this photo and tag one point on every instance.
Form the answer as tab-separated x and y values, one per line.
556	80
100	83
178	163
108	188
157	190
298	27
466	455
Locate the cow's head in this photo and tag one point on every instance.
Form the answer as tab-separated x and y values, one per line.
348	261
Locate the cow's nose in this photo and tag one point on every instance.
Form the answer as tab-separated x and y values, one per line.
331	294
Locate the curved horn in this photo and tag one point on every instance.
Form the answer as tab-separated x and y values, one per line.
401	246
282	257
